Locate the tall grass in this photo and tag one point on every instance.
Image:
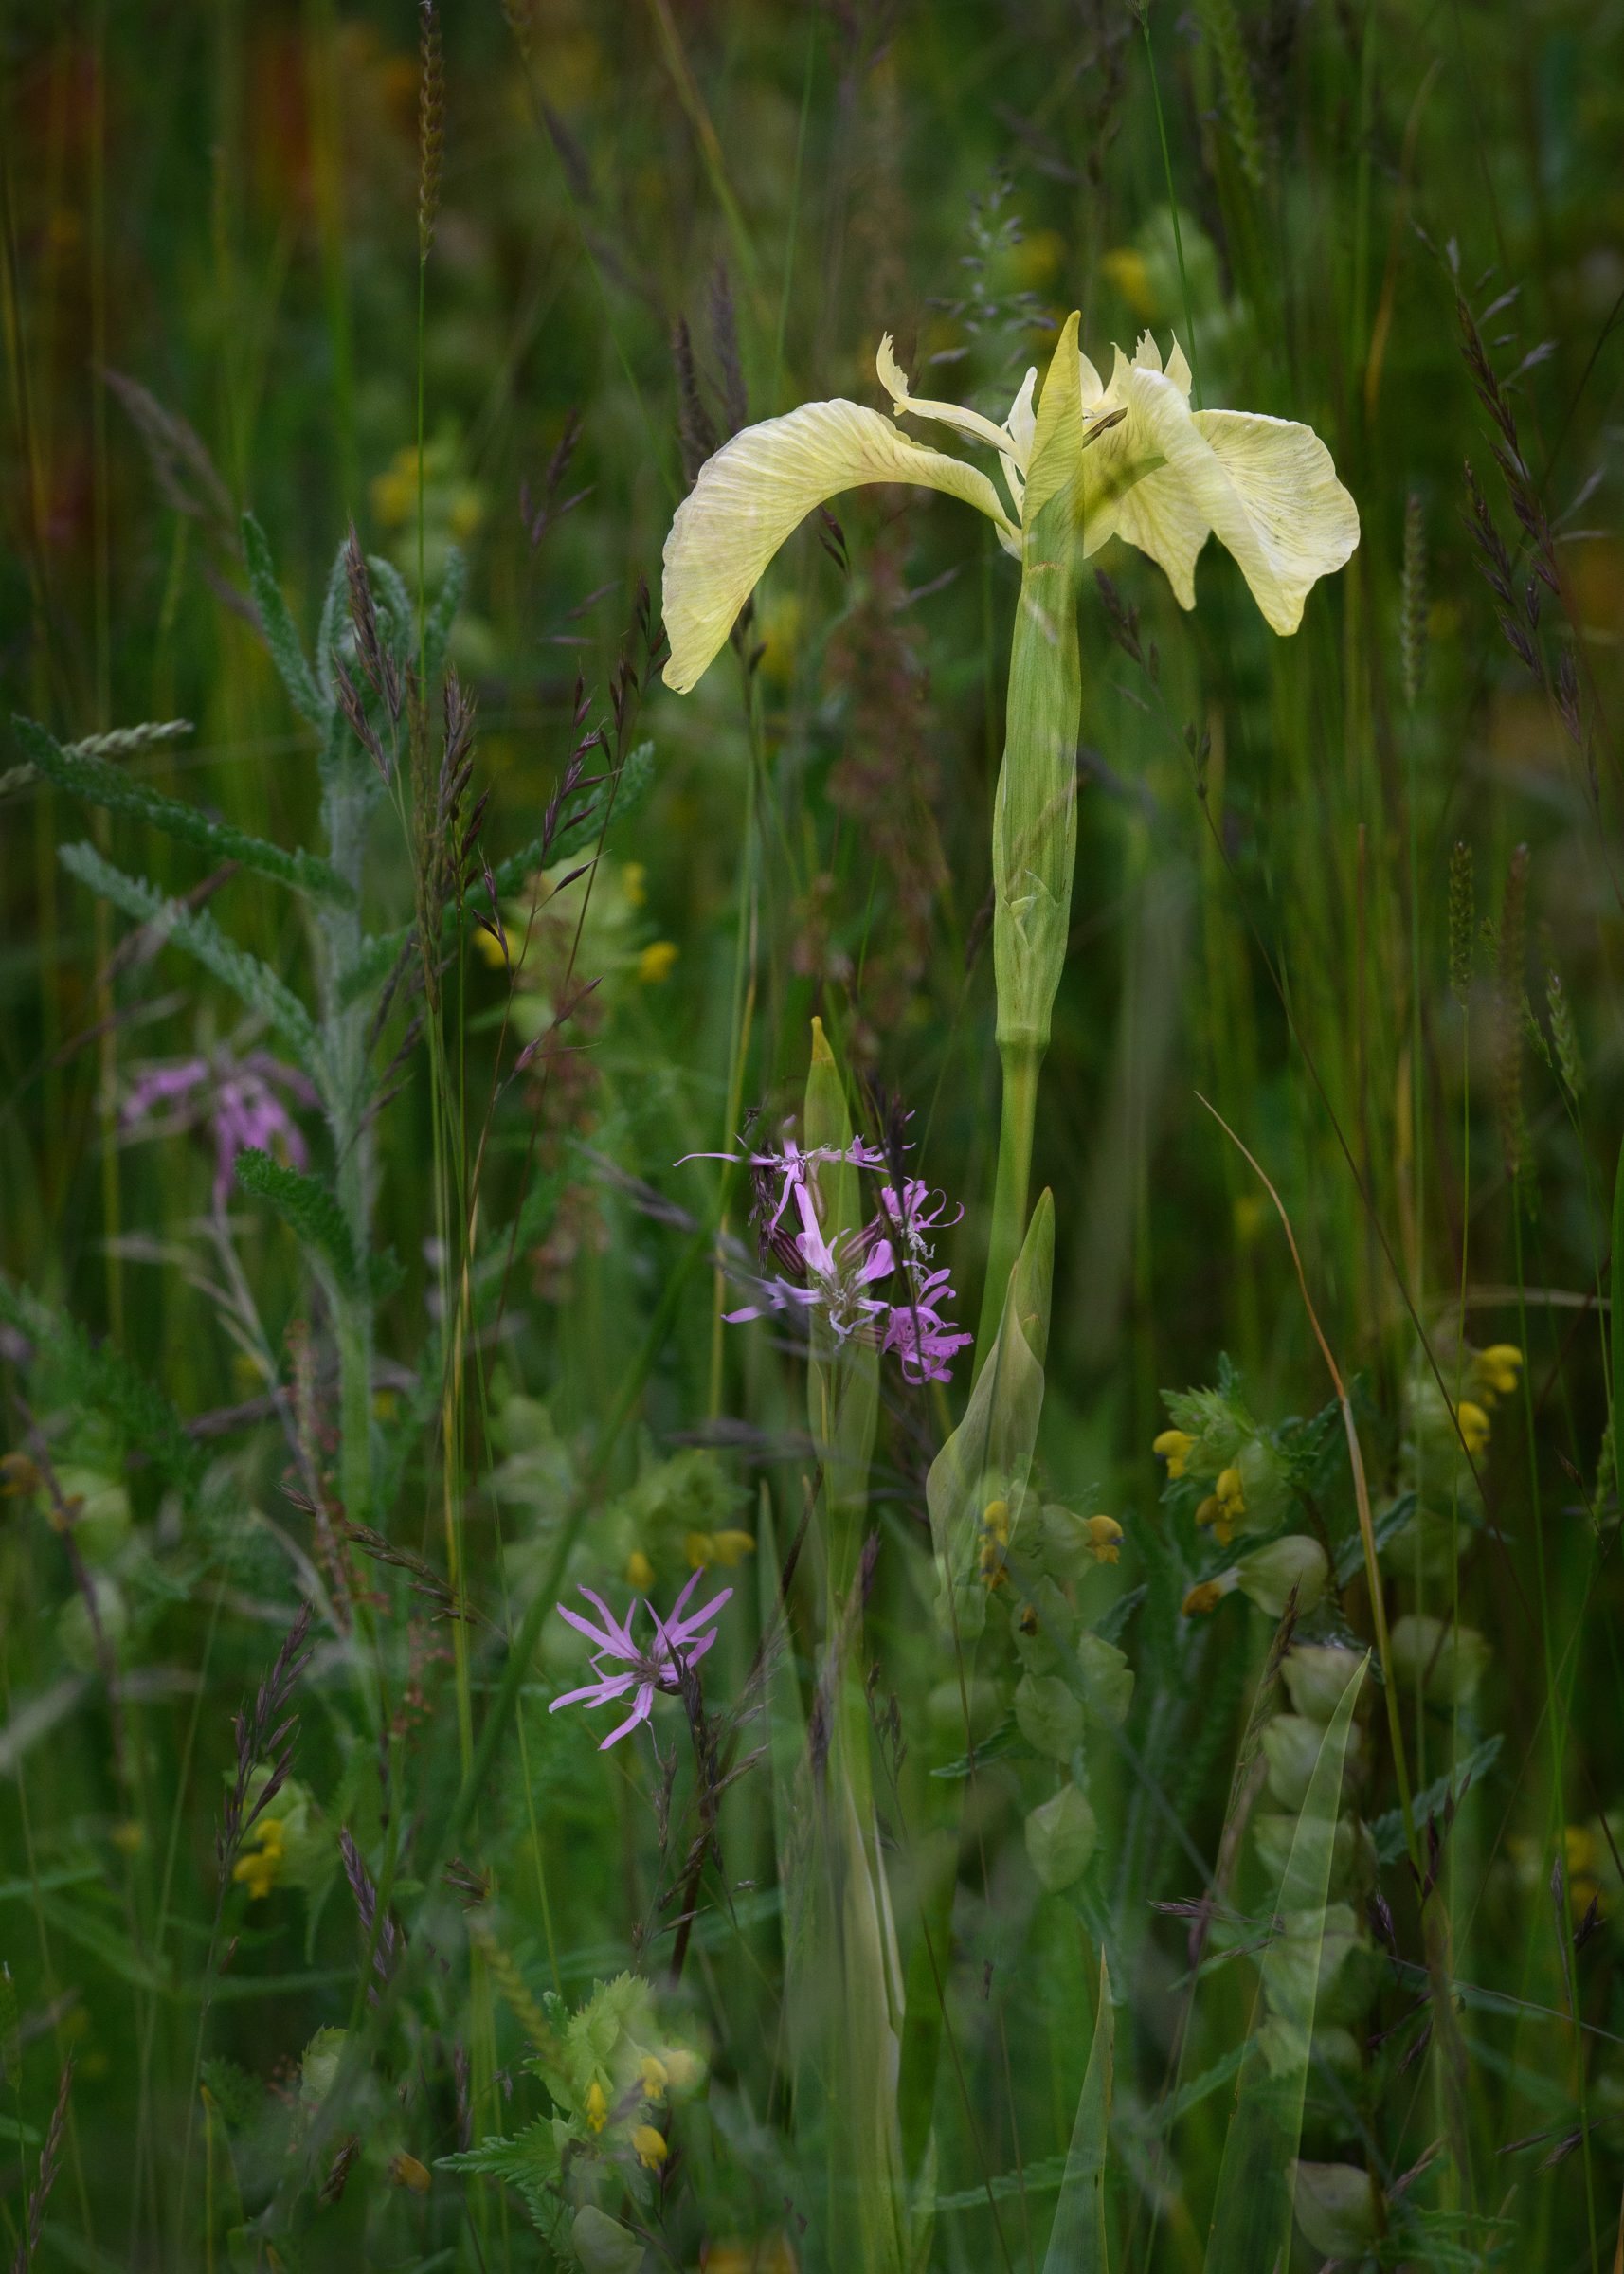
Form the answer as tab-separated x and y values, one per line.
1152	1797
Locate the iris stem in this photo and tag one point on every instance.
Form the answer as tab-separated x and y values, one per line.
1019	1116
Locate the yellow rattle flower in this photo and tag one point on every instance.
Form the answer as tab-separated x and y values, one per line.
261	1869
650	2146
1175	1448
995	1540
1105	1538
1473	1426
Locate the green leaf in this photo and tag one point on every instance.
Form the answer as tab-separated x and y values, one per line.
1616	1327
372	965
101	1939
1112	1621
282	634
988	1457
1350	1556
1252	2214
437	625
335	609
305	1204
196	931
100	1379
397	612
99	784
1077	2238
1388	1831
530	2164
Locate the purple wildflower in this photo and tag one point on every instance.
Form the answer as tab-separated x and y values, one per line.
678	1645
839	1277
238	1099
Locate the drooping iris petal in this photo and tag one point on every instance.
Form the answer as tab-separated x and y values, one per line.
1267	488
1276	503
759	488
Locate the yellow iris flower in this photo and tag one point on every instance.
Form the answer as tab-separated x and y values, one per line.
1155	472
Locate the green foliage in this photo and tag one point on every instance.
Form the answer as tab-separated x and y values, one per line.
251	980
99	784
80	1373
280	633
864	1868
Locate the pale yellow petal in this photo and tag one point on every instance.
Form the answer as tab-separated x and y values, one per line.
759	488
1020	426
1021	423
1160	516
1118	458
1266	487
969	422
1299	522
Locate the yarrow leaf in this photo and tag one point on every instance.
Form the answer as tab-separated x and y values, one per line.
99	784
282	634
255	983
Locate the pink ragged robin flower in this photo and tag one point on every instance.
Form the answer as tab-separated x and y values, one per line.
678	1645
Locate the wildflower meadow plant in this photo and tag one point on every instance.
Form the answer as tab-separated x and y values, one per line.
807	1350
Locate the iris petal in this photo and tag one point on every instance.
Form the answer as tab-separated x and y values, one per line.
756	492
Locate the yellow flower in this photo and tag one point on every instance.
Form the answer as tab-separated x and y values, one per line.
1153	472
1268	1575
1212	1513
639	1571
1129	272
406	2170
995	1540
1580	1845
1105	1538
654	2078
632	884
127	1837
1175	1448
597	2106
654	964
1498	1370
650	2146
1229	1496
1473	1426
725	1548
490	948
263	1866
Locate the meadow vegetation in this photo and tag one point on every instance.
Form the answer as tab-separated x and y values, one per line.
811	852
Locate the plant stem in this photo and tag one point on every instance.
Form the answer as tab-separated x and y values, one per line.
1022	1061
1173	210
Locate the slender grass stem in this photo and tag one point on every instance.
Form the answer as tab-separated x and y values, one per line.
1173	210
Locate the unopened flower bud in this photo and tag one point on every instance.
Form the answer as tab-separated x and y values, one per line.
1449	1663
1316	1675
